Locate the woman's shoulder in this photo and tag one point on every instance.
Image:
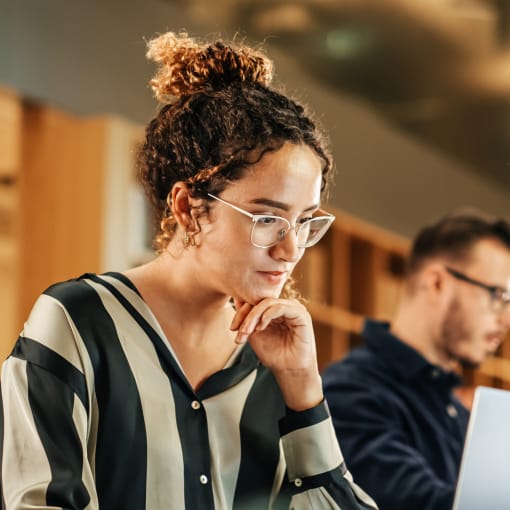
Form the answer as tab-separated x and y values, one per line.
70	292
67	311
88	300
85	288
65	299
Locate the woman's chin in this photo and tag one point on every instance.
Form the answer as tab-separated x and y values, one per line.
254	299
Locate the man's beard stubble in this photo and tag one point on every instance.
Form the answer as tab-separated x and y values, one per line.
453	329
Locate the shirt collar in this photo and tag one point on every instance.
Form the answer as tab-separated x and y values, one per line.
244	363
405	360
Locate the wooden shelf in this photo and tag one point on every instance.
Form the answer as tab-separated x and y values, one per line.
496	367
357	272
335	317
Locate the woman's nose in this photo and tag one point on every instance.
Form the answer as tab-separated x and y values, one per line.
287	248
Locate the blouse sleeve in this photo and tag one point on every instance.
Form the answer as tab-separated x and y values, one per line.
316	471
44	417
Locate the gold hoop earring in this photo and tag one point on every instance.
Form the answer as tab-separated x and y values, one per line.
188	239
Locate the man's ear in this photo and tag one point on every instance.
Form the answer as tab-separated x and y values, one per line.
434	280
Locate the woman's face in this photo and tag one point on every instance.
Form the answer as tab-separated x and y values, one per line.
283	183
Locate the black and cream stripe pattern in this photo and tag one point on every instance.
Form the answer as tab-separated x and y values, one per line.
97	414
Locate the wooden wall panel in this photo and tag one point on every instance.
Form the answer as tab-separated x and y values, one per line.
10	162
62	189
10	132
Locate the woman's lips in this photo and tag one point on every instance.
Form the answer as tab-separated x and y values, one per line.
274	277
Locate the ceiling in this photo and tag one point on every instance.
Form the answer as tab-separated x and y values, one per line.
438	69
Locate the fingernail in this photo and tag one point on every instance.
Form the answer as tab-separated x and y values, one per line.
241	338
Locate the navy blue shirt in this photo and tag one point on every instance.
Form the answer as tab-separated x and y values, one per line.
400	427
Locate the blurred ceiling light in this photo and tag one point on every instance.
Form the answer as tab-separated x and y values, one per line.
346	42
286	17
487	78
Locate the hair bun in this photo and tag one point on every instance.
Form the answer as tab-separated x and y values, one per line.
187	66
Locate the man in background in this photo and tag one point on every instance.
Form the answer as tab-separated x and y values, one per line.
401	427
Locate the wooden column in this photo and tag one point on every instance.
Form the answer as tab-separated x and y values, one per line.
62	199
10	248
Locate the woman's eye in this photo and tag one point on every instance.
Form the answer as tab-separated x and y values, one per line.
267	220
304	220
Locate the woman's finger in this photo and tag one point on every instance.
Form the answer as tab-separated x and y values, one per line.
289	314
242	310
247	317
260	316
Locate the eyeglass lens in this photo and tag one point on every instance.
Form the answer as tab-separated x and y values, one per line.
500	301
269	230
499	298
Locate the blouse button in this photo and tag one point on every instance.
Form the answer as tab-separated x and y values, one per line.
451	410
195	405
203	479
298	482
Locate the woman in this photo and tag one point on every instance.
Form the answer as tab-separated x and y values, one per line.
190	382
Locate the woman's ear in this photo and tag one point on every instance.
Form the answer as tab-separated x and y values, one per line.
180	205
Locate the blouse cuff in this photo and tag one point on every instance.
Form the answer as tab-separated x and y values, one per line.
309	442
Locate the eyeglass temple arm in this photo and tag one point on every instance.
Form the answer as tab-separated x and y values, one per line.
491	288
246	213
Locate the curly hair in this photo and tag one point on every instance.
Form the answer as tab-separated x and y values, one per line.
219	116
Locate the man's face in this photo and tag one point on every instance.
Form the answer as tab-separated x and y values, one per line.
472	327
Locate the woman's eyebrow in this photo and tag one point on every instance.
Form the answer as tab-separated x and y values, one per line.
279	205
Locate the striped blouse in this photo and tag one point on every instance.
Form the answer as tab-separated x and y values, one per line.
96	413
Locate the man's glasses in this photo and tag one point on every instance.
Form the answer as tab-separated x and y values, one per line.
268	230
500	297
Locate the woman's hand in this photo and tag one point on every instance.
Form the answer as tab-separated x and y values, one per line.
280	331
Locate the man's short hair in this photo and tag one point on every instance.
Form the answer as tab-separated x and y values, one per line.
454	234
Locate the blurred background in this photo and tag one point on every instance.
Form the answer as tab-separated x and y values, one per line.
414	95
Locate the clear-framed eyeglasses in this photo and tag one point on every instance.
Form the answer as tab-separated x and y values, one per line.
268	230
499	296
